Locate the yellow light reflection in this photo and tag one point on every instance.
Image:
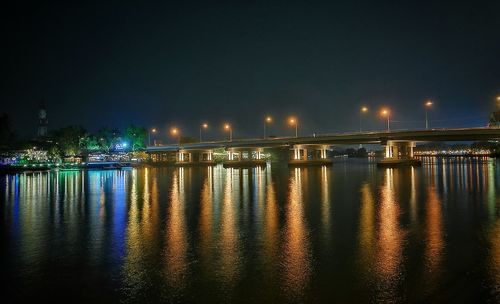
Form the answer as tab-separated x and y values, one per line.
367	228
434	240
230	255
176	243
271	227
206	216
297	263
325	203
390	240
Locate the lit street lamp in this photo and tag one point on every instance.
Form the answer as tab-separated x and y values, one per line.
268	120
294	122
386	112
176	132
428	104
227	127
203	126
361	112
153	130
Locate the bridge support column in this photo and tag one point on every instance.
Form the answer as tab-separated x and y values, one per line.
399	153
244	158
206	156
183	157
309	155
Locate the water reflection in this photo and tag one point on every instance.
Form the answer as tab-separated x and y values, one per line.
206	218
434	240
230	249
296	250
325	204
271	231
176	244
390	239
218	235
367	229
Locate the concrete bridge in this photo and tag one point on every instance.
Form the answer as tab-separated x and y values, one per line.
312	150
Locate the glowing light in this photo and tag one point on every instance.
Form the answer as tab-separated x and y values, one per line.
153	130
269	119
292	121
364	109
174	131
204	125
227	126
429	103
384	112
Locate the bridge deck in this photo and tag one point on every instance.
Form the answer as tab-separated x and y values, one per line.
465	134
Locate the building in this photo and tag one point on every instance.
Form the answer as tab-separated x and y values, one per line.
42	120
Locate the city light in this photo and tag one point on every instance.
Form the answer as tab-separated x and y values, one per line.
268	120
153	130
428	104
203	126
361	112
227	127
294	122
387	113
176	132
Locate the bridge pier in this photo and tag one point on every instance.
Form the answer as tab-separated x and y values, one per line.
304	155
244	157
194	158
162	158
398	153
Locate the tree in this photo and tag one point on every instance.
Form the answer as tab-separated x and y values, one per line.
136	137
107	139
68	139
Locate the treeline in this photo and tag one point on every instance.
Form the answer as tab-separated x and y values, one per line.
75	140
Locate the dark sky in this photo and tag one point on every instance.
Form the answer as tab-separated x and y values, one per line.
184	62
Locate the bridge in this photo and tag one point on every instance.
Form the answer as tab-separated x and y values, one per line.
310	150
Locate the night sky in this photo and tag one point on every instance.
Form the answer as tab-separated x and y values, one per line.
181	63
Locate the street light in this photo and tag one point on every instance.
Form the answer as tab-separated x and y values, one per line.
294	122
268	120
153	130
386	112
361	112
176	132
227	127
428	104
203	126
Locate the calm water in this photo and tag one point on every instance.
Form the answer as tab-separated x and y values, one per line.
350	232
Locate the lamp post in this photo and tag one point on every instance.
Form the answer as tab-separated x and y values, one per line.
386	112
153	130
294	122
176	132
428	104
361	112
203	126
227	127
268	120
